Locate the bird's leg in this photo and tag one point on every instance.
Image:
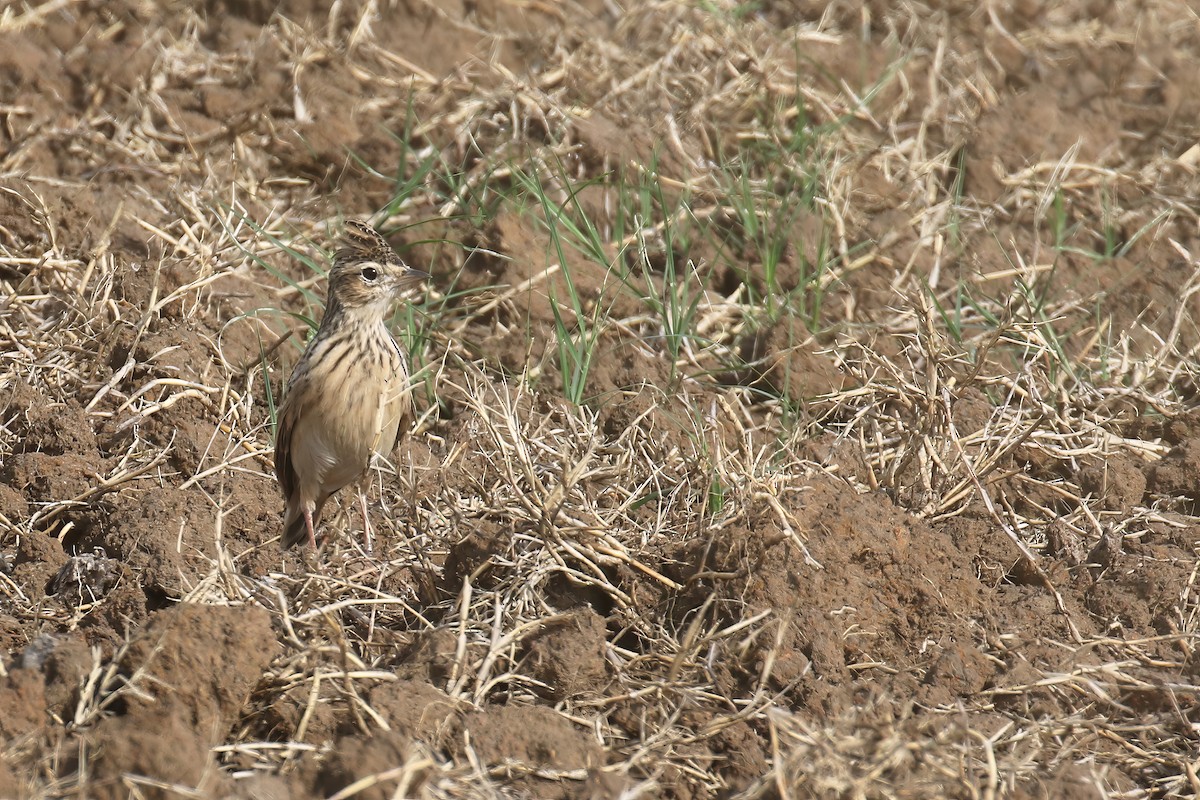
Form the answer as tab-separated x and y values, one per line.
362	504
308	526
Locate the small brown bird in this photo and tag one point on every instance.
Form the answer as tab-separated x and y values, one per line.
349	393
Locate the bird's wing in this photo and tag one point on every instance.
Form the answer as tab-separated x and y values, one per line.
285	472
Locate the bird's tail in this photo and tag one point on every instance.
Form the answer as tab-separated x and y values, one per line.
294	530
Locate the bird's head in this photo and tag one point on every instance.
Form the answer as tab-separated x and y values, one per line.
367	272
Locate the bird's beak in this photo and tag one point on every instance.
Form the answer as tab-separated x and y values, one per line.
412	277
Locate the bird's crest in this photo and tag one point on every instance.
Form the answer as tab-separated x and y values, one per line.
361	242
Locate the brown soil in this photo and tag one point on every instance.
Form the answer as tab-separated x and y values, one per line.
744	575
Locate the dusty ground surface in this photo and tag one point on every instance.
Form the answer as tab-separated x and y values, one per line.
899	291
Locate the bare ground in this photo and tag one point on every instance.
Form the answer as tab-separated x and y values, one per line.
936	538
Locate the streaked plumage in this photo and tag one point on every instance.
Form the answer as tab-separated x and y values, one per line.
349	394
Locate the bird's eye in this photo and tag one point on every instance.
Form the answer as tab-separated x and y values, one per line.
370	274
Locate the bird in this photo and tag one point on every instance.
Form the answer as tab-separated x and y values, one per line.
348	396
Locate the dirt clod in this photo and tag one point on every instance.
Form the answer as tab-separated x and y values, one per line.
569	656
530	735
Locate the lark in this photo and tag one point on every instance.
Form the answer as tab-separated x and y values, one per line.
348	397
